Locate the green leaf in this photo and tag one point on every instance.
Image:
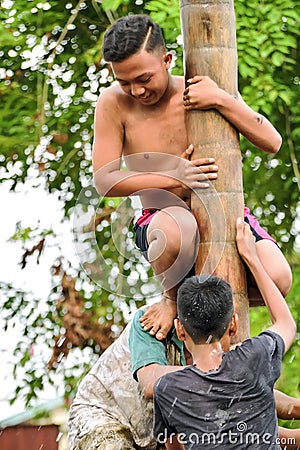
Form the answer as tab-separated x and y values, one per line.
284	95
277	59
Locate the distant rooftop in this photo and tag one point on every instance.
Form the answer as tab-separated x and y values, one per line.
31	413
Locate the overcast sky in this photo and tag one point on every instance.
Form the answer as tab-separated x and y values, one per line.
32	207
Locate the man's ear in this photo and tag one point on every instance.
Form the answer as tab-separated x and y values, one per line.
233	326
168	59
179	330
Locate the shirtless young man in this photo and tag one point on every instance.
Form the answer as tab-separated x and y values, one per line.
142	119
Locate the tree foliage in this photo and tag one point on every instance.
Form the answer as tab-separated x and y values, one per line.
51	74
268	46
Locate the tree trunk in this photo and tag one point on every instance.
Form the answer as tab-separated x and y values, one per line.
210	49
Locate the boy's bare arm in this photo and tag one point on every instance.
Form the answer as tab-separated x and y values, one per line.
148	375
174	444
204	93
287	407
282	320
289	438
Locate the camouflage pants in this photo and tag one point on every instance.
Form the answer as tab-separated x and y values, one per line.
114	437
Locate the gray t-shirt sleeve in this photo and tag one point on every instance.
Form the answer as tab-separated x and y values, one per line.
162	429
274	347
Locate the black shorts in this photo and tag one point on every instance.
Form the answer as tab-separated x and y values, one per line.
141	226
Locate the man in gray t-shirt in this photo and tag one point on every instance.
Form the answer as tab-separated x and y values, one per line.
229	407
224	400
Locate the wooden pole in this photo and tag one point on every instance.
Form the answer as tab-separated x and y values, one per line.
209	40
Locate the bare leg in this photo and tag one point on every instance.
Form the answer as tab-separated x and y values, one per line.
275	265
172	237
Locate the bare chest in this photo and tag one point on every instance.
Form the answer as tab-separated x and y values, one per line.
156	131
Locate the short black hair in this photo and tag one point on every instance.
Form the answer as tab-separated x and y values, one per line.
205	307
127	36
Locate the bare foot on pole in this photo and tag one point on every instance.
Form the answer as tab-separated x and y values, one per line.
159	318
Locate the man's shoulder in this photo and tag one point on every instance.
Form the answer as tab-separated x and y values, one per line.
178	82
178	79
272	340
267	343
174	380
114	95
181	78
267	336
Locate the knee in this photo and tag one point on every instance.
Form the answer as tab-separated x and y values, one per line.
284	281
182	238
192	231
163	244
287	283
182	226
173	228
275	264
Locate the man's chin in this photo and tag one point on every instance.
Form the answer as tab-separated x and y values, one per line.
147	100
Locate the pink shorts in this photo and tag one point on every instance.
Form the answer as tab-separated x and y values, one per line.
142	224
258	232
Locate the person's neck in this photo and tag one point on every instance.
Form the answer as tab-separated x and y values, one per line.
172	89
208	357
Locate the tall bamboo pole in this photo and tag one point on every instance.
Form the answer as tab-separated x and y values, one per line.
209	39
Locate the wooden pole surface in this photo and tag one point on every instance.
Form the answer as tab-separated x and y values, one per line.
209	39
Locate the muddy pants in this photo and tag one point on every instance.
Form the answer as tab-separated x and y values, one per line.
115	437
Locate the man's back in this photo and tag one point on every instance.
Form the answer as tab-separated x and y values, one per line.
109	397
231	407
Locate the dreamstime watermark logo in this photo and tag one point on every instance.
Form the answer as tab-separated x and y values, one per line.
239	436
116	264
